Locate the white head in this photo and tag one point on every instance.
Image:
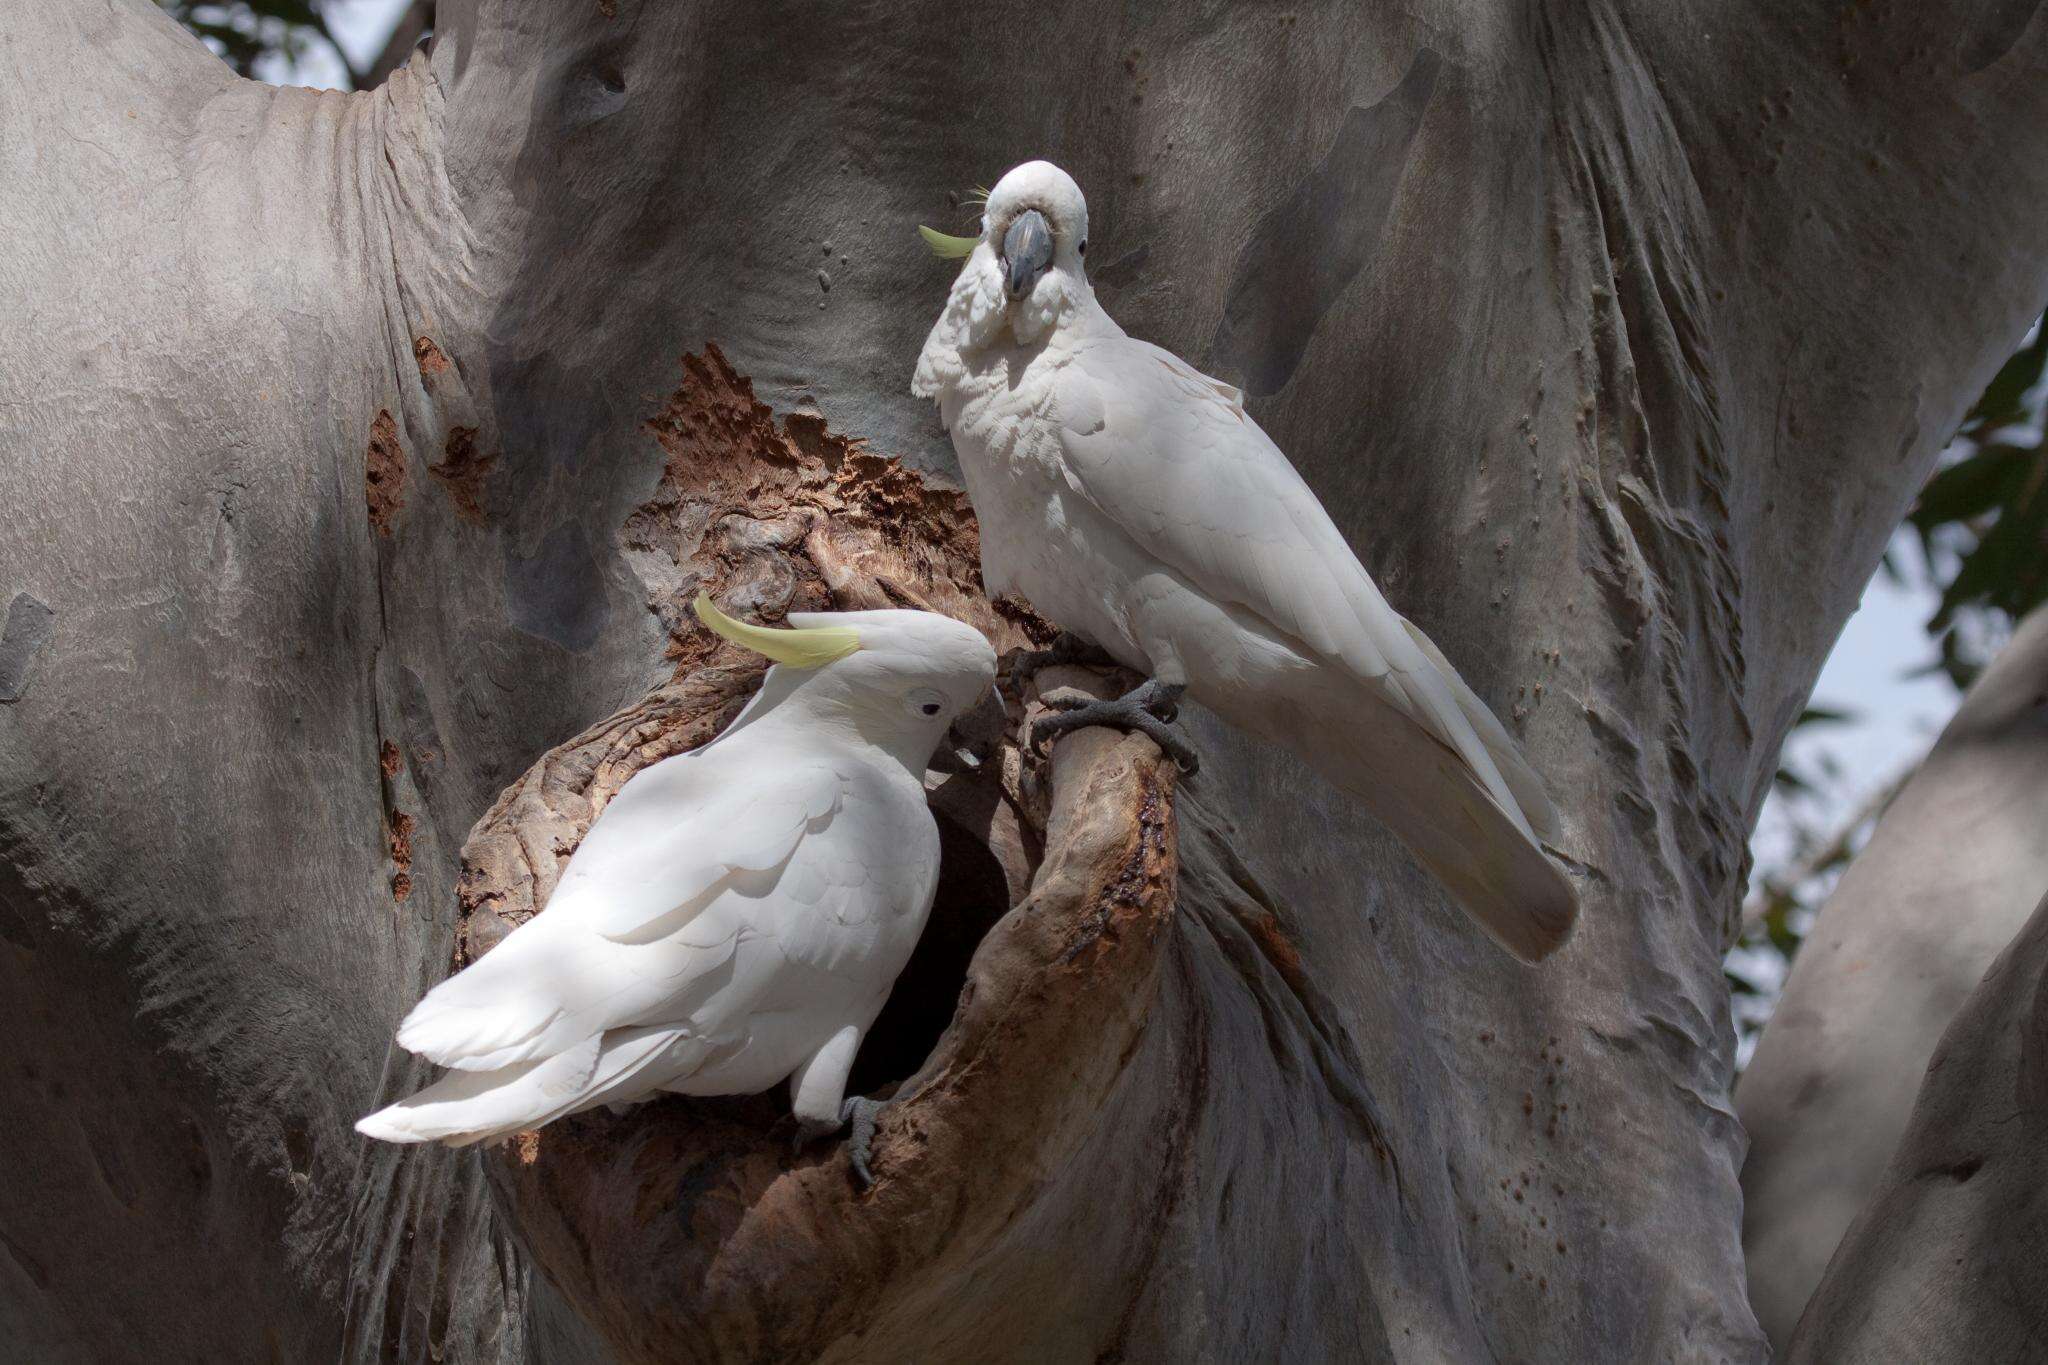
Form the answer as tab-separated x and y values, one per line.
1038	222
897	678
1027	266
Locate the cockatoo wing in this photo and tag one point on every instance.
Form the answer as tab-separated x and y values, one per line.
831	908
1171	456
679	829
644	925
1523	781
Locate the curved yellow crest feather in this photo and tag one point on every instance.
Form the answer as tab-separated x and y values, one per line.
944	245
813	647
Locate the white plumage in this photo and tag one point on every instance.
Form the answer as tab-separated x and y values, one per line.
1133	501
736	915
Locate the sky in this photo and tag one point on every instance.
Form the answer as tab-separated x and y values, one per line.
360	26
1876	673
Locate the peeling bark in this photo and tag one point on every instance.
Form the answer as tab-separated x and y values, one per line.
384	473
1638	327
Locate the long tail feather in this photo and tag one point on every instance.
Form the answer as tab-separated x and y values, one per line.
1487	857
477	1106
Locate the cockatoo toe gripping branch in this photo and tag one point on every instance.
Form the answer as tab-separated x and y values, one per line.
1132	500
736	915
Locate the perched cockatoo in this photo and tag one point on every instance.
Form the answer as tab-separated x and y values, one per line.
736	915
1130	498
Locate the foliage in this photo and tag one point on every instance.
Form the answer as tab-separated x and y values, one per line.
1983	518
1981	523
245	32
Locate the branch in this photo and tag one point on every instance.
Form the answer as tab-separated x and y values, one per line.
1941	887
405	35
1948	1261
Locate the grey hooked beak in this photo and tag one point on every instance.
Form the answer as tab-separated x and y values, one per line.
974	736
1027	252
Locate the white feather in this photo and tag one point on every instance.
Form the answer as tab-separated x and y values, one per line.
1134	502
728	914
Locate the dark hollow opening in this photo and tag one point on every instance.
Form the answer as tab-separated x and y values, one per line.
972	896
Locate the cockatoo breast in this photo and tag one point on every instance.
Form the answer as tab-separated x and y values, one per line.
1040	539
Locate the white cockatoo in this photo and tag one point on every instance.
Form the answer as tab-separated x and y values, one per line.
1136	505
736	915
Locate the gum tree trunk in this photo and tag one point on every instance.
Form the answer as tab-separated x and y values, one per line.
1949	877
354	491
1949	1258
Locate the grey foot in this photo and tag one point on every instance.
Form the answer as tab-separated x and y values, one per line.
1148	709
860	1112
1065	649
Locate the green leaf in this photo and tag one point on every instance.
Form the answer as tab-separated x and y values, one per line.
1972	486
2004	397
1791	781
2007	567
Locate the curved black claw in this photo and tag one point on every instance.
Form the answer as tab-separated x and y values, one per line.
1149	710
860	1111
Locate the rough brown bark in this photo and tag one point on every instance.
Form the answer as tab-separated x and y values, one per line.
1949	877
1629	332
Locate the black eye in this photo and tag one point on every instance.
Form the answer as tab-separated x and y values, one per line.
1084	248
930	708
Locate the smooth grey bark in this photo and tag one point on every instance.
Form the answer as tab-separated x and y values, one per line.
1948	878
1948	1260
1617	336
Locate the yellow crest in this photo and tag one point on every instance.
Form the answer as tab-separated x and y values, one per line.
811	648
943	245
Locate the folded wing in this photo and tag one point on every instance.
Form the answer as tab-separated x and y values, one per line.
1170	456
643	926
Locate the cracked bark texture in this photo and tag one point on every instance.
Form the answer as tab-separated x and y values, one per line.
1617	336
1948	878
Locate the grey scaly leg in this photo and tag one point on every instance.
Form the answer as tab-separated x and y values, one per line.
861	1112
1066	648
1149	709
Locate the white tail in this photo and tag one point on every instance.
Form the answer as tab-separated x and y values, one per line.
477	1106
1488	857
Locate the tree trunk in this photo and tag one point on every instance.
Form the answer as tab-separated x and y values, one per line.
1948	1261
1947	880
1617	336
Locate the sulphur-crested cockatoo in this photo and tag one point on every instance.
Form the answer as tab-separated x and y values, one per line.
736	915
1133	501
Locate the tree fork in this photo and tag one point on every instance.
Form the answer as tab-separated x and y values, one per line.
1615	336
